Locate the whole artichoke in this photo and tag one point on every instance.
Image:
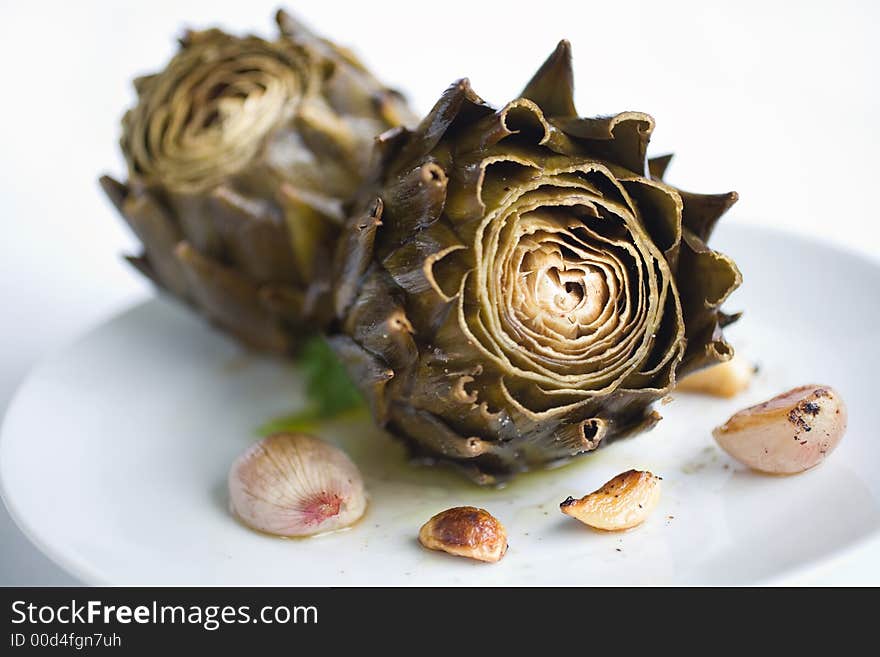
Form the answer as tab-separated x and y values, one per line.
519	285
240	154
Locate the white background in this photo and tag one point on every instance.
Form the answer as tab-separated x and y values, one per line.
776	100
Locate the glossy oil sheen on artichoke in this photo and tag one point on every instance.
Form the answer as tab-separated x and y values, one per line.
518	285
240	155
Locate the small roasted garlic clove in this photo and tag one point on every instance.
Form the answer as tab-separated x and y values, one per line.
292	484
465	531
726	379
790	433
622	503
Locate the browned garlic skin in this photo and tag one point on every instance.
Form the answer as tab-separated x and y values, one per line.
622	503
296	485
466	531
787	434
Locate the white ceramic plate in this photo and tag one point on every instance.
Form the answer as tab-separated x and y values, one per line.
114	456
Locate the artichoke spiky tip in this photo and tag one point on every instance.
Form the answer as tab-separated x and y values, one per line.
287	24
657	165
563	48
552	85
114	190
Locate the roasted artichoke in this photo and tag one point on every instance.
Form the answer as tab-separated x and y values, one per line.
240	154
518	285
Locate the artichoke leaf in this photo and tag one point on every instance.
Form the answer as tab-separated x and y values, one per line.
657	166
155	229
231	300
354	254
368	373
552	86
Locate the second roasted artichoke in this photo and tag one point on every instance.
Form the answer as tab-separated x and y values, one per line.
519	285
241	153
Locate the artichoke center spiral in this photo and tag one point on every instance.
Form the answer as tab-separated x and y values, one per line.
560	287
569	293
206	116
558	293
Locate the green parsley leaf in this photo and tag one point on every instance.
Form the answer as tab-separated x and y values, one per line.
329	391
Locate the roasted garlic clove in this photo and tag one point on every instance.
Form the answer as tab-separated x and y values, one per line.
465	531
292	484
790	433
622	503
726	379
